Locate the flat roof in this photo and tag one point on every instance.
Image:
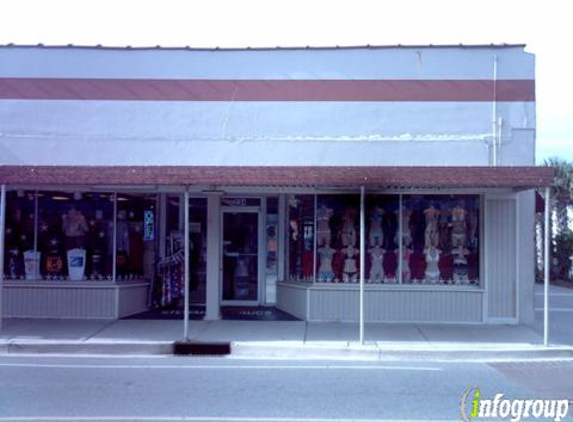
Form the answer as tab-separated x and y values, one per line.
246	48
523	177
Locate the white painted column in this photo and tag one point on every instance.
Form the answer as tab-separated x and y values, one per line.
281	258
362	262
2	231
213	311
114	240
546	269
186	265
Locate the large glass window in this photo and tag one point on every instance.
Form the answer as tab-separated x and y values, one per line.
300	243
135	249
440	236
410	239
382	247
337	238
74	235
20	261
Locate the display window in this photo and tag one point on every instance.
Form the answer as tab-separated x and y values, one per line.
300	239
337	238
135	255
382	239
74	235
20	258
409	239
440	239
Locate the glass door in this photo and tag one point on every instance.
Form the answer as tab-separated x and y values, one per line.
240	266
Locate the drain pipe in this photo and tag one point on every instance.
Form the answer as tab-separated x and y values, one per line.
494	113
2	225
362	261
186	266
546	270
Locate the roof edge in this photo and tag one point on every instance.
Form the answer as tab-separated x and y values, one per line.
276	48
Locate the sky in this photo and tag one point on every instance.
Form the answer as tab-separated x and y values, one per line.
545	26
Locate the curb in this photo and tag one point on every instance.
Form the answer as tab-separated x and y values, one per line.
253	350
89	348
245	351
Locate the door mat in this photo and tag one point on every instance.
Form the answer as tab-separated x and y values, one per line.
240	313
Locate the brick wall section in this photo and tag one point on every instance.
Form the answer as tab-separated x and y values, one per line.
459	177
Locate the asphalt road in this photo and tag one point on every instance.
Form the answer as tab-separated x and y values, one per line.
170	388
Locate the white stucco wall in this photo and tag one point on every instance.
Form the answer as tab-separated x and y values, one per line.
264	133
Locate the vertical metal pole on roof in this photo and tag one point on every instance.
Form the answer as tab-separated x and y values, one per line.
36	260
186	266
2	226
362	262
114	240
546	270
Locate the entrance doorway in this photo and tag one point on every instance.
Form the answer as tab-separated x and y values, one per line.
241	260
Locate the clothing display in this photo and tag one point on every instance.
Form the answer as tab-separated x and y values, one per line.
325	271
431	233
376	268
170	281
406	273
323	232
459	227
349	272
348	233
76	264
375	235
432	273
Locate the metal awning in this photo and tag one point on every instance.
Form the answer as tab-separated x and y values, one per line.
522	177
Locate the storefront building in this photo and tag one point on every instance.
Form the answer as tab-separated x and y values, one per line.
273	177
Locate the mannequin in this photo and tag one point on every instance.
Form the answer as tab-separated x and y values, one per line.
75	228
376	268
459	228
375	235
460	255
349	271
323	216
325	272
432	274
406	233
432	215
348	233
406	274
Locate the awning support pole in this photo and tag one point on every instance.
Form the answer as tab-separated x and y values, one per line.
2	231
546	270
362	262
114	240
186	267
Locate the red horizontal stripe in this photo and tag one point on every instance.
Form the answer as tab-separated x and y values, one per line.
265	90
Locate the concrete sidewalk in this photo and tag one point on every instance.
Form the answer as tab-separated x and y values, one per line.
305	340
282	339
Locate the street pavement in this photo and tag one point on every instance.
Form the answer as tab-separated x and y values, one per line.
207	389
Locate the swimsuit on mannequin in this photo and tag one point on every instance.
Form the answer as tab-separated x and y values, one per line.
376	269
349	271
375	234
431	234
460	255
432	258
348	233
406	234
459	228
325	272
323	215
